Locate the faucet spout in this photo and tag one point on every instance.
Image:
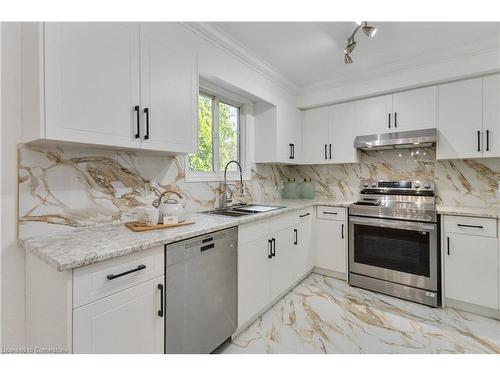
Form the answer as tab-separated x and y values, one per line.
224	200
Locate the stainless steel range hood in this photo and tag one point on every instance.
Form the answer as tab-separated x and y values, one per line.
407	139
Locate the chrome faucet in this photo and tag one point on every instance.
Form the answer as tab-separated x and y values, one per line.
225	187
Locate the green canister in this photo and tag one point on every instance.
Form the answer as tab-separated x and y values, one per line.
307	189
291	189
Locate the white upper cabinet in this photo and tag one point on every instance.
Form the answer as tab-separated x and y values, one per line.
342	132
278	133
460	120
315	135
169	92
115	84
491	116
92	83
374	115
415	109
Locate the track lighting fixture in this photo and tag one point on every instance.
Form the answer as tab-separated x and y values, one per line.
369	31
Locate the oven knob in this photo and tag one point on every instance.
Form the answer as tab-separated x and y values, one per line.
416	184
374	184
366	184
427	185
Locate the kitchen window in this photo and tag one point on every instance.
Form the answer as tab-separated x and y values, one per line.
220	138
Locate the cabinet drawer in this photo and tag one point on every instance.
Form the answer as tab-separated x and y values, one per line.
331	213
476	226
102	279
258	229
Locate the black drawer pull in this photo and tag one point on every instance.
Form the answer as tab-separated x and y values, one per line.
448	245
140	267
273	241
296	241
205	240
207	247
326	156
304	215
342	231
478	141
160	312
487	140
270	248
330	150
470	226
330	213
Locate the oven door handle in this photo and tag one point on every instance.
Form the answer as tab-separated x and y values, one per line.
396	224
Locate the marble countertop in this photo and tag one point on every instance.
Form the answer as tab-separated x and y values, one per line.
469	211
71	249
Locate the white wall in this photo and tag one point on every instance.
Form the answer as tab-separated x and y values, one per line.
401	79
12	256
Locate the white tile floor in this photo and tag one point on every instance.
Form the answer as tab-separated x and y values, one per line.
325	315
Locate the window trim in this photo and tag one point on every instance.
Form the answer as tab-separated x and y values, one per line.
218	176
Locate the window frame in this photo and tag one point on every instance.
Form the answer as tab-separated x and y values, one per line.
215	175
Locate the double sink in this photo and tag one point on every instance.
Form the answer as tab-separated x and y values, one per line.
243	210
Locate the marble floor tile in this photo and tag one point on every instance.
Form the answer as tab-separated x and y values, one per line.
325	315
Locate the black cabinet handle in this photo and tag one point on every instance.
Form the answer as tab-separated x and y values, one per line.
342	231
389	121
273	240
470	226
487	140
304	215
208	239
146	111
139	267
448	245
293	150
330	213
270	248
207	247
160	312
478	141
395	119
137	112
296	237
326	156
330	150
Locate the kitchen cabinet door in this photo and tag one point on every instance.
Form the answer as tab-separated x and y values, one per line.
125	322
331	246
280	276
290	136
415	109
374	115
92	82
491	116
169	92
315	135
253	279
471	269
302	249
343	131
460	119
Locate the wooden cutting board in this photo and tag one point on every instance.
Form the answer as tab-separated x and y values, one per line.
139	226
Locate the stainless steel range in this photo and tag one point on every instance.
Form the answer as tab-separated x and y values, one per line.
393	240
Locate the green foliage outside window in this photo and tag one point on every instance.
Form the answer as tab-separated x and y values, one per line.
226	145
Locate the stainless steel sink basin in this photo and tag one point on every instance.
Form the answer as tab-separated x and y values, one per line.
244	210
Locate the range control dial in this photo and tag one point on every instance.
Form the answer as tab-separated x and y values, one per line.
374	184
416	184
427	185
366	184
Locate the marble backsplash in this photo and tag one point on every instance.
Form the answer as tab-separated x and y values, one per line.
62	187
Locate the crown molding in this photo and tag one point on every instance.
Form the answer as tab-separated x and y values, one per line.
222	40
409	64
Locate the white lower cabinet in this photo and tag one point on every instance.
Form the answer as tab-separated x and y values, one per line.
125	322
331	240
272	256
471	261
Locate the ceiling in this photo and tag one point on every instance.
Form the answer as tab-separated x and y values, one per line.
309	54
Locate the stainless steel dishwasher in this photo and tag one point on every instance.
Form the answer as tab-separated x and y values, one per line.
201	292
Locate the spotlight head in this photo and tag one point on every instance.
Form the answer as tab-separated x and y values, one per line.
347	59
369	31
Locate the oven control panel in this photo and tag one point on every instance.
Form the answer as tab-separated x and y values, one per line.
417	185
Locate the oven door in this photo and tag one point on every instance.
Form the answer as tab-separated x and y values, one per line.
402	252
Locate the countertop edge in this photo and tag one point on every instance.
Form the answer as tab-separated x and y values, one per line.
85	261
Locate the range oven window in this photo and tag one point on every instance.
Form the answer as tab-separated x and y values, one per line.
391	248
